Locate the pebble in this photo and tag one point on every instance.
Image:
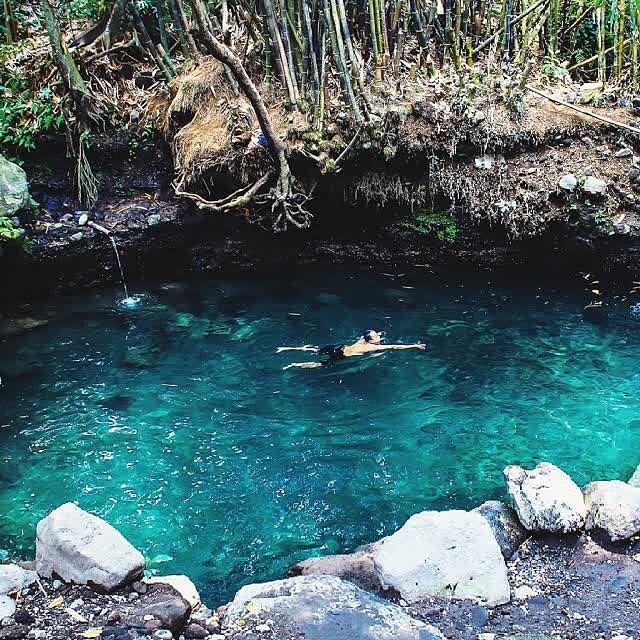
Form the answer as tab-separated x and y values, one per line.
568	182
153	220
56	583
83	219
76	237
217	636
133	596
263	628
163	634
196	632
523	592
140	587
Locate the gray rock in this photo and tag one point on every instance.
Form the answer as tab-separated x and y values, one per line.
595	186
162	634
14	190
153	220
568	182
625	152
80	547
614	507
14	632
76	237
7	607
546	499
357	567
447	554
196	632
83	219
504	523
327	608
13	578
173	613
634	480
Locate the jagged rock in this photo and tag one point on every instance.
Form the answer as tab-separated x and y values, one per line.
448	554
14	189
568	182
357	567
326	608
546	498
182	584
7	607
594	186
504	523
614	507
80	547
13	578
173	613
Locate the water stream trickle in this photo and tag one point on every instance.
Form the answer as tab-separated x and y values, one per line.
124	280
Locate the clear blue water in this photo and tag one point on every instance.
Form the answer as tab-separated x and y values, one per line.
175	421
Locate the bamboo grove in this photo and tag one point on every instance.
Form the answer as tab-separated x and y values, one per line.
314	51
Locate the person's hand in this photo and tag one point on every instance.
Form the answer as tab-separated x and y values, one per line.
422	347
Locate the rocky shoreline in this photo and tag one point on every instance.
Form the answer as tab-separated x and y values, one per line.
559	562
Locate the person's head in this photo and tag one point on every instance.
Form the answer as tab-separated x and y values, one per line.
372	337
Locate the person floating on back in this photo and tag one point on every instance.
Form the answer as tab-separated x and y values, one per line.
369	342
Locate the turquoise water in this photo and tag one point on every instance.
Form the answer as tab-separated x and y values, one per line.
176	422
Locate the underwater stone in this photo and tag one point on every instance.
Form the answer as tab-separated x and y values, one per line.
546	498
614	507
81	548
446	554
327	607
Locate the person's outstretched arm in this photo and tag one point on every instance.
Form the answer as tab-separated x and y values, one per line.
385	347
307	347
303	365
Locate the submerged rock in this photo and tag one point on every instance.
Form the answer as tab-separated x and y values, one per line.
80	547
13	578
546	498
324	608
596	313
614	507
504	523
448	554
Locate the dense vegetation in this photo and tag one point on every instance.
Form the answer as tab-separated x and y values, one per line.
320	56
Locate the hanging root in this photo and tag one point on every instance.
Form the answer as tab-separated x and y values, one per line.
285	200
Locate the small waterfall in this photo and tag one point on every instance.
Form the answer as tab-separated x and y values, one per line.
107	233
124	280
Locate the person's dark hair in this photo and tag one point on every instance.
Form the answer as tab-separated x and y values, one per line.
368	335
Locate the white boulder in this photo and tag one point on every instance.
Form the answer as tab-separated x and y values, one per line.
448	553
594	186
81	548
13	578
7	607
325	607
568	182
546	498
614	507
